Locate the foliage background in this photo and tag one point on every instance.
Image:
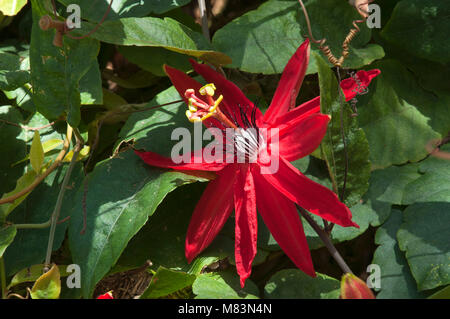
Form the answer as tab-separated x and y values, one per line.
137	213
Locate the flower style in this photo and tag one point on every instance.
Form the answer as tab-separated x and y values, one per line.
241	185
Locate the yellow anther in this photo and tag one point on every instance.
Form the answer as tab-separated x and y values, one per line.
199	110
208	89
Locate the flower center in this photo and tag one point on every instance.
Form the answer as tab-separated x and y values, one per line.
248	142
242	138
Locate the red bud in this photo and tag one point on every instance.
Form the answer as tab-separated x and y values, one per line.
354	288
108	295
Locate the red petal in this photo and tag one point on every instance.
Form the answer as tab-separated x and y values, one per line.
196	162
313	106
305	109
289	84
302	136
246	223
310	195
232	95
107	295
281	217
211	212
349	86
181	81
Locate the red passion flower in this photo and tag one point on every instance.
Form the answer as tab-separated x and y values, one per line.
243	185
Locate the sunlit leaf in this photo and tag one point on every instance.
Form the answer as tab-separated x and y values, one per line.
47	286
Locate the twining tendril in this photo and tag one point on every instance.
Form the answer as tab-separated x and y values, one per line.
337	62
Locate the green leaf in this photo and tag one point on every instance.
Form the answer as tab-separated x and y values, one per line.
11	148
22	96
396	280
295	284
33	273
433	186
159	57
18	61
395	180
432	76
147	129
256	47
11	7
36	153
366	213
424	238
355	154
94	11
154	32
436	164
441	294
47	146
386	187
362	215
23	182
162	239
165	282
11	75
223	285
48	133
83	154
56	72
90	86
122	193
48	286
396	109
137	80
7	235
420	28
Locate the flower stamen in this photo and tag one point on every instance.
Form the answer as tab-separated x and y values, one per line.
199	110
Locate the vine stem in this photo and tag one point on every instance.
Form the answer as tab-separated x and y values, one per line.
40	178
59	201
26	128
326	240
3	277
41	225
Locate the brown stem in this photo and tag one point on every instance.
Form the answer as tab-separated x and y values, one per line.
40	178
26	128
432	148
46	22
41	225
326	240
59	201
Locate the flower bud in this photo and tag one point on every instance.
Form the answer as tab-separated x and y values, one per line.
108	295
354	288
